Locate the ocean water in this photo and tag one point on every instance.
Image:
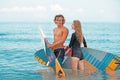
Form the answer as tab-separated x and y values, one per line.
19	41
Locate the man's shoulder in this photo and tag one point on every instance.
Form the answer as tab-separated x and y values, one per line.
65	28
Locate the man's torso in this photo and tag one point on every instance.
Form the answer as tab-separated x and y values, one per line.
58	33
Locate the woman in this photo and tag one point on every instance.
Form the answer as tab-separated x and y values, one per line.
75	44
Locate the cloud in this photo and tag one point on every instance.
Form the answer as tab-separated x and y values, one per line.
24	9
101	11
56	7
80	10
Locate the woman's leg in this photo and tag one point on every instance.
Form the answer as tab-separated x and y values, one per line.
74	64
81	65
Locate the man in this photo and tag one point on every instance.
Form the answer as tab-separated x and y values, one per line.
60	35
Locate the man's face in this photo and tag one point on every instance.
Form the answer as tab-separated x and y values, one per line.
60	20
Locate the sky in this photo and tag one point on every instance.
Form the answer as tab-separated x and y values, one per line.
45	10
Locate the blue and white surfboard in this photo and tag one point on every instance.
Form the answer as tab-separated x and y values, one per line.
47	57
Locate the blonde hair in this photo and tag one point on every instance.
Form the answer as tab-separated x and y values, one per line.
78	30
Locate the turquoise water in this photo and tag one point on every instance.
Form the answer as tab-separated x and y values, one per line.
19	42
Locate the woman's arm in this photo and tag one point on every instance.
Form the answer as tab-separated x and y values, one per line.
72	40
84	42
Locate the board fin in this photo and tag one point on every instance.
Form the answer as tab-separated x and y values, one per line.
59	70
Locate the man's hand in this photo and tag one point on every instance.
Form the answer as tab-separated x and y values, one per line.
49	45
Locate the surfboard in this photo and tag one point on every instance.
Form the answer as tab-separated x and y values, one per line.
94	60
47	57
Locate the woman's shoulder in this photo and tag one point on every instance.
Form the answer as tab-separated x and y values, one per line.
73	34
